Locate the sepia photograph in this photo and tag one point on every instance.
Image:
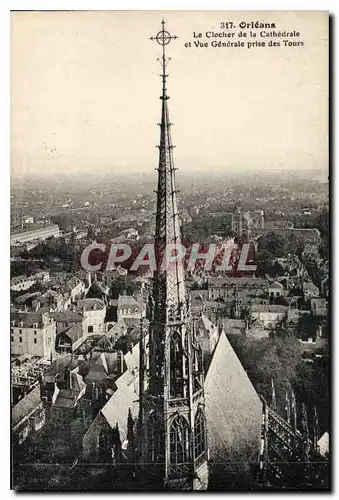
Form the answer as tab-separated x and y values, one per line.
169	250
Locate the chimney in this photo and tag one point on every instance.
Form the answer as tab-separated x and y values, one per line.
67	378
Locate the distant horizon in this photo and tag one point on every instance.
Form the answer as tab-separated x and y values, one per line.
233	171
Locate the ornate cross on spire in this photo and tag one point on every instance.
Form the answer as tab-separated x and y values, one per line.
163	38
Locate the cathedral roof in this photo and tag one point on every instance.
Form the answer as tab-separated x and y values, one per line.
233	408
116	409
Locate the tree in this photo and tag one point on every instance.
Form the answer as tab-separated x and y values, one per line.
122	286
270	247
275	244
270	358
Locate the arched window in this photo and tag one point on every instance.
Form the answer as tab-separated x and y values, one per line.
199	434
179	441
154	434
104	446
176	365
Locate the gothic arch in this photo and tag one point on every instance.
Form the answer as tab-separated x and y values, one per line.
154	438
179	441
199	434
176	366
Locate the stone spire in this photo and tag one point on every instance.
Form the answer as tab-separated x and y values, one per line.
173	431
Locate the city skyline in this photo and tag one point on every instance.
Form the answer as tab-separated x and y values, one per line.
95	78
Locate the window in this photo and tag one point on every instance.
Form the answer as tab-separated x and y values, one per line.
199	434
90	329
154	435
20	339
35	332
12	338
20	331
12	330
34	341
179	441
176	368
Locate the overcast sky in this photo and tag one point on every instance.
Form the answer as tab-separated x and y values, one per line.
85	93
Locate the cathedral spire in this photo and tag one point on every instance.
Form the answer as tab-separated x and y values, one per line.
173	431
169	289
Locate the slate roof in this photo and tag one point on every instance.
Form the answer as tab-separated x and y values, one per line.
91	304
233	408
241	281
119	327
74	332
257	324
276	284
310	287
233	324
22	298
27	318
127	301
67	316
268	308
26	406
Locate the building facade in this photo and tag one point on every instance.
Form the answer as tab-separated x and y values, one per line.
32	333
39	233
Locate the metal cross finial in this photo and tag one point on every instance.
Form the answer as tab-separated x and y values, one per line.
163	37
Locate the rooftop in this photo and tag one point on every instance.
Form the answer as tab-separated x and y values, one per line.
241	281
127	301
29	319
26	406
268	308
90	304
